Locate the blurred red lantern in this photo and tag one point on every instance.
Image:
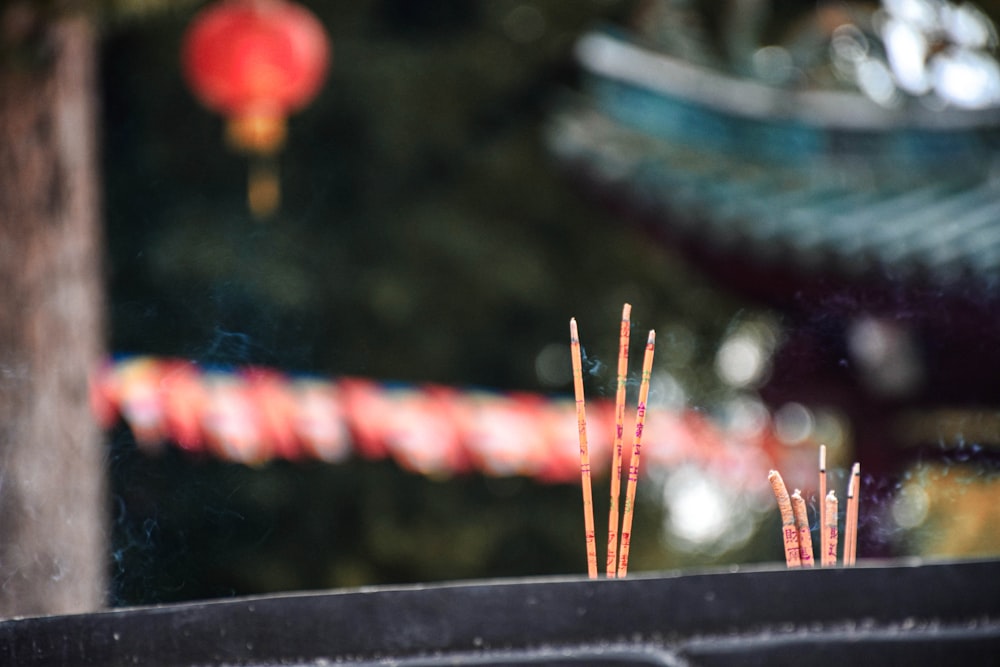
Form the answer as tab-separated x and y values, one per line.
255	62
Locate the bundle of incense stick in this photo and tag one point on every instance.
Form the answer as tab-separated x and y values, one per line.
795	533
617	560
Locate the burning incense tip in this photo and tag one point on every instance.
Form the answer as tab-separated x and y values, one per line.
789	533
802	526
822	458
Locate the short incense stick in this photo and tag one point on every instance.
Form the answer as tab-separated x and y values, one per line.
851	518
822	504
802	526
633	466
616	448
856	511
789	534
581	419
829	528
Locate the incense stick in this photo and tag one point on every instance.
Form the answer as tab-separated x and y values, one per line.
851	518
802	526
789	534
822	505
633	467
616	449
829	555
847	520
855	512
581	418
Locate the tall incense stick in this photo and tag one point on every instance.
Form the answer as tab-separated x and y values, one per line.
581	419
633	466
821	496
789	533
616	449
851	518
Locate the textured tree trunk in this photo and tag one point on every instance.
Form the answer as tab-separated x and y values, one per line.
52	462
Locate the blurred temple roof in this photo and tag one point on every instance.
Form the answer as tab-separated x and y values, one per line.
869	223
811	180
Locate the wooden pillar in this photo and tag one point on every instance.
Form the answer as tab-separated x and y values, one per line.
53	533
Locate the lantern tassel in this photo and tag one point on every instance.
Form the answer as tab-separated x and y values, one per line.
263	187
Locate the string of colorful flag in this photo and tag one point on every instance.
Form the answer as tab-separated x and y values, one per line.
254	415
